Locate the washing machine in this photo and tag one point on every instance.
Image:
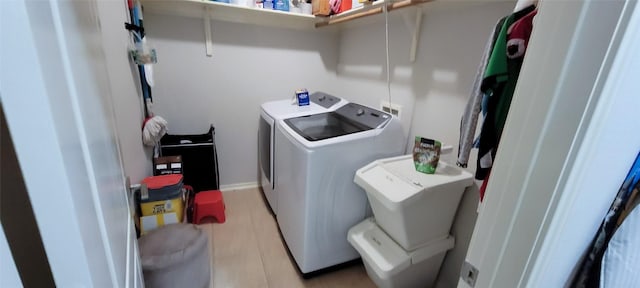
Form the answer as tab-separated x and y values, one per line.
315	161
270	113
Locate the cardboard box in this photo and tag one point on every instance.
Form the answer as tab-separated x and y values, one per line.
345	5
167	165
161	201
320	8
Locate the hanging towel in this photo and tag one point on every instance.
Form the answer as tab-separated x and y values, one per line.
501	76
517	39
588	275
469	120
621	260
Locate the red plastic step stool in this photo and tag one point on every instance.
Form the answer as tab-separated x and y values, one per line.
208	204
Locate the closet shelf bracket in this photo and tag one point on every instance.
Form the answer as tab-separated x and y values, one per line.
208	41
415	31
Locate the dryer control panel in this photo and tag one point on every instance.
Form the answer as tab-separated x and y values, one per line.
323	99
364	115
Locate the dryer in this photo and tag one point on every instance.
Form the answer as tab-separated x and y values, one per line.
316	159
270	113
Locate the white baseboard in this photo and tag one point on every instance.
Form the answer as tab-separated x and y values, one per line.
238	186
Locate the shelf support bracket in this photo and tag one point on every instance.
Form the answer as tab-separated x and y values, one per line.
208	41
415	40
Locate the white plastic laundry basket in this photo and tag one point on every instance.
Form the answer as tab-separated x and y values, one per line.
388	265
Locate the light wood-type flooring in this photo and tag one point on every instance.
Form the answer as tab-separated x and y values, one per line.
247	250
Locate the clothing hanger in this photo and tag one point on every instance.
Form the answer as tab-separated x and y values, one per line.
521	4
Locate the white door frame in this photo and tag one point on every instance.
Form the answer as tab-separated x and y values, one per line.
592	184
55	93
567	145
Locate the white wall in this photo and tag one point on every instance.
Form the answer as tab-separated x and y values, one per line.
250	65
124	85
436	87
254	64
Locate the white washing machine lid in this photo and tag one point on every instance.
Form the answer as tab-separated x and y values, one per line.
396	179
385	255
285	108
319	103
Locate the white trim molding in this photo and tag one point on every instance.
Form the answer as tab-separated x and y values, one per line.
239	186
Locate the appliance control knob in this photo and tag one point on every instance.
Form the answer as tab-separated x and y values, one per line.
360	112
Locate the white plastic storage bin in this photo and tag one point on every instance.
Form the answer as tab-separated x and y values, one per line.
412	207
388	265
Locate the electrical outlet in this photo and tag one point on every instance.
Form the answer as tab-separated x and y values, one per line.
391	108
